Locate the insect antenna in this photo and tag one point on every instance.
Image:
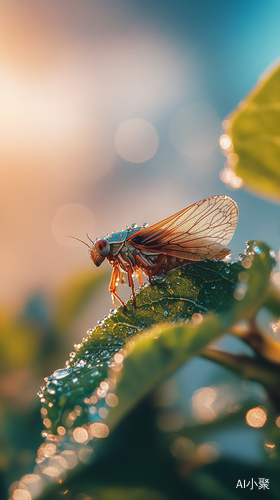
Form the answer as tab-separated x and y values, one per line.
73	237
89	238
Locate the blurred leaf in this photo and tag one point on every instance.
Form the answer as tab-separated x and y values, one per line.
74	294
19	342
218	481
272	301
255	132
92	492
117	493
223	419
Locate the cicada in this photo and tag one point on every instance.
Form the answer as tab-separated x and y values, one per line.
197	232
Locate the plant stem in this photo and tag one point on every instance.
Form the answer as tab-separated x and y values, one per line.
250	368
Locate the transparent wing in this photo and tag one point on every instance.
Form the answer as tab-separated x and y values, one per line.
200	231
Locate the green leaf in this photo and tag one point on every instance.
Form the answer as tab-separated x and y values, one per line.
254	128
195	288
73	296
163	349
148	357
192	289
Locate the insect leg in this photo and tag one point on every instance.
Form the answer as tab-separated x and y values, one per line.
139	274
129	270
113	287
131	284
144	265
122	277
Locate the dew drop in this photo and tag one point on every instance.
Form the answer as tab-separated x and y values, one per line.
257	249
60	374
81	363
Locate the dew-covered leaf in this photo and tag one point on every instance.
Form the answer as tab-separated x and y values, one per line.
187	292
117	365
254	131
195	288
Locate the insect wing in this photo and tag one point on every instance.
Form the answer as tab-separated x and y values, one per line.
200	231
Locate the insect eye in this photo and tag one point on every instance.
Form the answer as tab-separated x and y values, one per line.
102	247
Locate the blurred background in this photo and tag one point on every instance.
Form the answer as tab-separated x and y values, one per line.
111	113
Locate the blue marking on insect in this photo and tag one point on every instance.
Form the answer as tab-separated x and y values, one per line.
116	237
120	236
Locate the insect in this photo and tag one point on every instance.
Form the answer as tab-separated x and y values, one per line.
199	231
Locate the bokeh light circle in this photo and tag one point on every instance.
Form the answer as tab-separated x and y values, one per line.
136	140
256	417
72	220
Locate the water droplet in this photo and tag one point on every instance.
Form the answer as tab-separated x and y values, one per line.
133	225
51	391
60	374
257	249
165	313
272	254
75	380
105	354
81	363
145	224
